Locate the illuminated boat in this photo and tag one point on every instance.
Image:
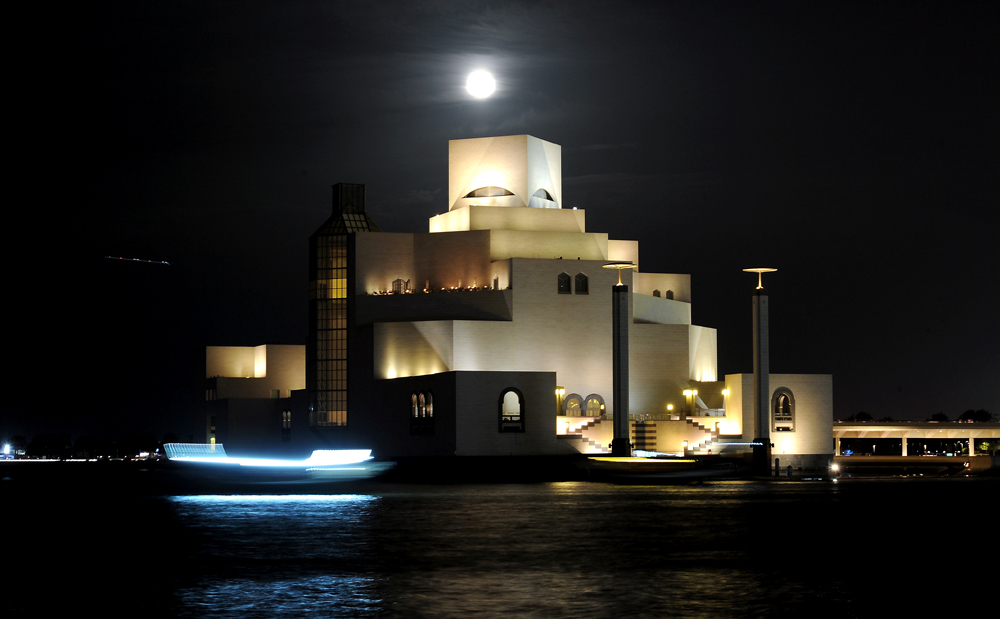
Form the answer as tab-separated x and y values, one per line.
652	467
322	465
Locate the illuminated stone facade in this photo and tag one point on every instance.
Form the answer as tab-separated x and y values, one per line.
506	293
491	334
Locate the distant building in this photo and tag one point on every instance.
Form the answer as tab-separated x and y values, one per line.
248	395
490	334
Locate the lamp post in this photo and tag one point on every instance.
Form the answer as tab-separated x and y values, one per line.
761	377
621	446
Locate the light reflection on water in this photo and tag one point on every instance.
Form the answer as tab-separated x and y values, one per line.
739	549
877	548
548	550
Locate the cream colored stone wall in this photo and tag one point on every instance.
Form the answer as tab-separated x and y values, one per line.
569	334
658	367
680	284
660	311
551	245
739	404
444	260
545	168
669	436
450	259
521	164
254	371
624	251
229	361
813	395
702	353
479	217
459	259
382	257
414	348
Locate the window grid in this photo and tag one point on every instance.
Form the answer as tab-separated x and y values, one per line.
327	357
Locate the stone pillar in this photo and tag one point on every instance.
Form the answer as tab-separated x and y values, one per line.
761	386
904	446
972	446
837	450
621	445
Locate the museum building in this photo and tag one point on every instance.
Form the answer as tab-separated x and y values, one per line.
491	334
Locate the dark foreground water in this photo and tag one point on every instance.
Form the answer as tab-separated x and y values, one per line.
897	548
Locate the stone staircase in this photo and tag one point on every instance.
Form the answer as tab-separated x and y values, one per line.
702	448
588	445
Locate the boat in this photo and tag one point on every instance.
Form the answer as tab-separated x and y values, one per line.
652	468
324	465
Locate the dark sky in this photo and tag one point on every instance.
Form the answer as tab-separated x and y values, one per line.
851	145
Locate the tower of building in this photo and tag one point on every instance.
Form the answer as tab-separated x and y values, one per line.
329	272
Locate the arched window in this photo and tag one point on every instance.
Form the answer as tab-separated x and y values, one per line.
564	286
656	293
489	192
511	410
422	413
573	405
783	410
670	294
595	405
581	284
542	199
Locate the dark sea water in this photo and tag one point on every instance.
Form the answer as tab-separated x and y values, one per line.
855	548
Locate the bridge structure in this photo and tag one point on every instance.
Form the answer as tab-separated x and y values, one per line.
916	432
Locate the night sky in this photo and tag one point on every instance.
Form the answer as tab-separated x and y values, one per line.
853	146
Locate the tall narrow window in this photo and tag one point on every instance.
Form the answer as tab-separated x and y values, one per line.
511	411
286	425
581	284
564	284
327	349
783	405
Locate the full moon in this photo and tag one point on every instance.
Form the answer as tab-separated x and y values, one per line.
480	84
